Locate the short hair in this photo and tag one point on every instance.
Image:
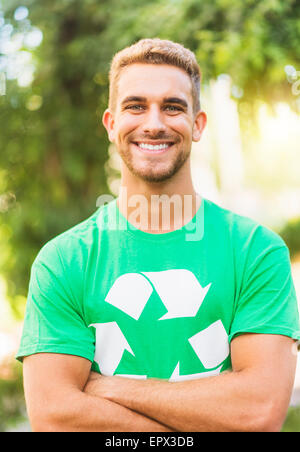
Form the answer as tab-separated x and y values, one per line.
155	51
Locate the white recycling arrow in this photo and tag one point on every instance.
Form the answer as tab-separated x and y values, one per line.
130	293
110	346
177	377
179	290
211	345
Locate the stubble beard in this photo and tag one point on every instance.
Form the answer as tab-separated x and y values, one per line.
149	173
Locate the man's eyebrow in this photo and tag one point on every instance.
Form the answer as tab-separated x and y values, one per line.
176	100
166	100
133	99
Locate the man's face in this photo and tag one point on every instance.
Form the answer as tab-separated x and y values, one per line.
153	124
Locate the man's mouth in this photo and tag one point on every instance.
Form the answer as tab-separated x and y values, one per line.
158	147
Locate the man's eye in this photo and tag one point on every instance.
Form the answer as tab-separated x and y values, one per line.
134	107
173	108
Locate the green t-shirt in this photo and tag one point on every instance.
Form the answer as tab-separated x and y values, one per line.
158	305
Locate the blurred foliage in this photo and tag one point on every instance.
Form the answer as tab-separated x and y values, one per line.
53	147
12	402
291	235
292	421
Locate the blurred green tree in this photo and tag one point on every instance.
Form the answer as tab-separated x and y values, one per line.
53	148
291	235
292	421
12	401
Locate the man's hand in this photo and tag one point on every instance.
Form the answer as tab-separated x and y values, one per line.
95	385
108	387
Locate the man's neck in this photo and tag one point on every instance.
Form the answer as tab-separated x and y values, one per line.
156	209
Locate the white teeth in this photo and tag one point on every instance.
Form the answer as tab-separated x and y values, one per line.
152	147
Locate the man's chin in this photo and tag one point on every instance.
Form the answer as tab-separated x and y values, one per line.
152	176
158	174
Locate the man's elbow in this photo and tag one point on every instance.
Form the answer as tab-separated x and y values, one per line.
53	417
268	417
46	422
44	426
275	417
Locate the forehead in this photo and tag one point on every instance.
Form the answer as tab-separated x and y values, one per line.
154	81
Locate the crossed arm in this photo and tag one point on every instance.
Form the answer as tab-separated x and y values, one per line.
63	395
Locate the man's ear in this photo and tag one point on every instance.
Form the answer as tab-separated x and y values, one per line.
108	122
199	125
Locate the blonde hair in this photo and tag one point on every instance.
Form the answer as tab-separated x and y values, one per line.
155	51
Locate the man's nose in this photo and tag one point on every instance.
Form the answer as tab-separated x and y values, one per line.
154	122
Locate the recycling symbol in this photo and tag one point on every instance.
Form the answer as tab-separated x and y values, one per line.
182	295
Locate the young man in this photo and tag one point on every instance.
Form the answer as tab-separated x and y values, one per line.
163	300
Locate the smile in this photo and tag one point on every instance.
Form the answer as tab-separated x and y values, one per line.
153	148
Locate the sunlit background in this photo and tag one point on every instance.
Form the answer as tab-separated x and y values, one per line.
55	159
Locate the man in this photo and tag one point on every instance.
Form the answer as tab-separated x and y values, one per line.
162	300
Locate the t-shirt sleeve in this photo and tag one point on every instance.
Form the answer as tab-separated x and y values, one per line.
267	301
54	320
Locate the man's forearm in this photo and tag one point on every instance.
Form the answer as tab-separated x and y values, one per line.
229	402
86	413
